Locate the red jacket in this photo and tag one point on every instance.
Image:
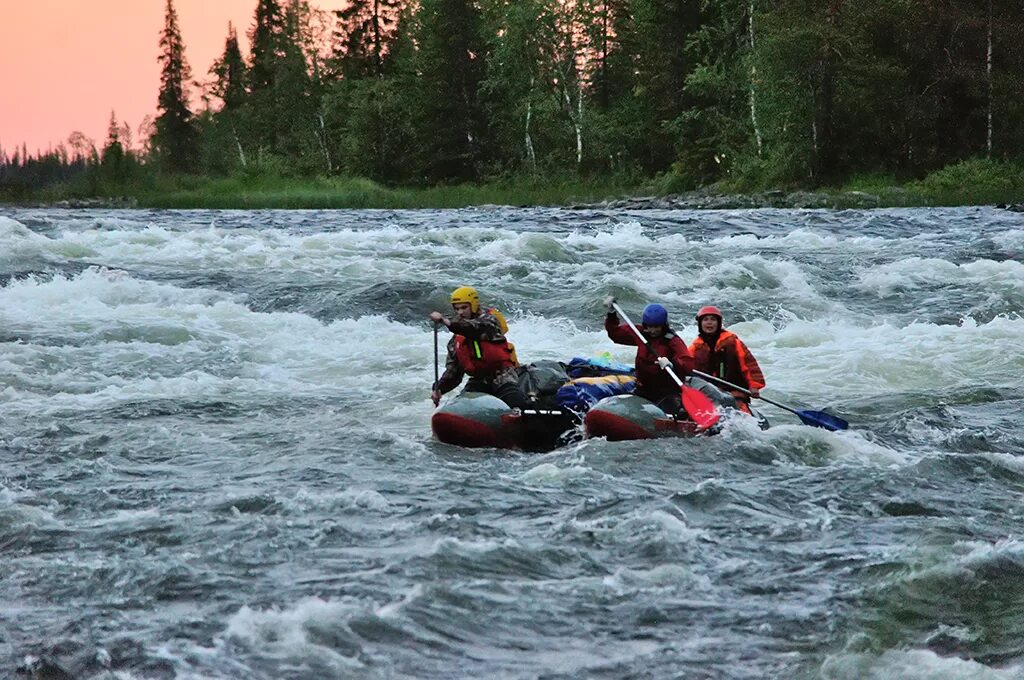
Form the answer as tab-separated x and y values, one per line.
652	377
729	359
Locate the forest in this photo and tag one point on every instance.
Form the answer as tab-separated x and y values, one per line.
672	95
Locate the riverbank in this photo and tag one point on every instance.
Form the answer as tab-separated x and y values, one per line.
977	182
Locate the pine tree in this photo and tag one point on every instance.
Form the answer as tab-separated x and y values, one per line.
451	62
363	31
113	150
114	161
229	73
656	39
282	104
223	131
609	19
268	38
175	138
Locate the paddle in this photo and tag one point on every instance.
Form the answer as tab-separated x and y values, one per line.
815	418
696	403
436	374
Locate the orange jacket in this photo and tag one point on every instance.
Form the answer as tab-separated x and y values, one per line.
729	359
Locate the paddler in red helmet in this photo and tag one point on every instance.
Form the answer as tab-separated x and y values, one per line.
722	354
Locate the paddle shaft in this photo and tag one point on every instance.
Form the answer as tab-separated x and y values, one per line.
720	381
647	343
436	375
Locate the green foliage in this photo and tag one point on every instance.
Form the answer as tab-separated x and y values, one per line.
374	137
450	62
978	180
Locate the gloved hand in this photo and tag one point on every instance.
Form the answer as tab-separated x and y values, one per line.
608	302
664	362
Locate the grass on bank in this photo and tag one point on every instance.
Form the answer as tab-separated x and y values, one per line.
973	182
979	181
325	193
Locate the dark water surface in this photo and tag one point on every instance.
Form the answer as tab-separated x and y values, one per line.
215	456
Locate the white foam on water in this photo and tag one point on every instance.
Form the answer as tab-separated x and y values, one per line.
959	560
981	277
674	576
1011	239
803	240
836	358
550	474
20	244
300	631
912	664
18	513
84	333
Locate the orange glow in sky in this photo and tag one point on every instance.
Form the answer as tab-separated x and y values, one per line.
66	64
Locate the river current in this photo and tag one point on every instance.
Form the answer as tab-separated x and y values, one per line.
216	458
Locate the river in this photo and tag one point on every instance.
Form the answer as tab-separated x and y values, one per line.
216	459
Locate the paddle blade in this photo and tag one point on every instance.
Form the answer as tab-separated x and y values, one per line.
699	407
822	419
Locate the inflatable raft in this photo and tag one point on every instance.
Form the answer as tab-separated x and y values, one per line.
628	416
581	398
560	393
478	420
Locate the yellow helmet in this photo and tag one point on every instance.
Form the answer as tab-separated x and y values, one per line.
467	294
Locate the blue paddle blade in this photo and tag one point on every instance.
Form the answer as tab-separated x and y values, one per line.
822	419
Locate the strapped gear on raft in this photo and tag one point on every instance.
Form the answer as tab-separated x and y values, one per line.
654	315
709	310
467	294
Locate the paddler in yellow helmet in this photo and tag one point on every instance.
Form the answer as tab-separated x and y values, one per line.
478	347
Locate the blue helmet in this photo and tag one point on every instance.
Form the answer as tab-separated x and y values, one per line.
655	315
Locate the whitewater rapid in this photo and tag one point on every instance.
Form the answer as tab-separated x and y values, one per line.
217	463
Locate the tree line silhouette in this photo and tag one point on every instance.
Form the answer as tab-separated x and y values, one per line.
760	92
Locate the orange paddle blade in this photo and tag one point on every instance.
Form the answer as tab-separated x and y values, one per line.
699	407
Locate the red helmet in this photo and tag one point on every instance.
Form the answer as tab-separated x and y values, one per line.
711	310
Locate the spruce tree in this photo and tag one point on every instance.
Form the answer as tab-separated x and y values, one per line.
114	161
268	38
363	31
229	73
282	112
451	62
175	138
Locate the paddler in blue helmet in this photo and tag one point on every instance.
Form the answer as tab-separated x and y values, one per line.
653	381
479	348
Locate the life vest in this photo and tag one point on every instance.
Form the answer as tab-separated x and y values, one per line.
483	357
730	361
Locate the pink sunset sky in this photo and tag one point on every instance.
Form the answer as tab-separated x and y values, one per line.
66	64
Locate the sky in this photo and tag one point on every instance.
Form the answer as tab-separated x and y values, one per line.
66	64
